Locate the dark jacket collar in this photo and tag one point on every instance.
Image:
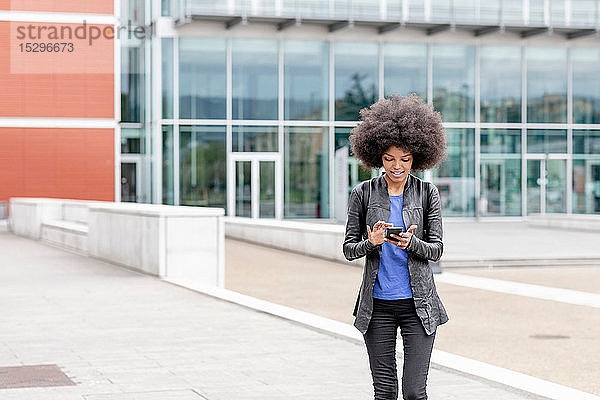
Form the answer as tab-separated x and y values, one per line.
380	190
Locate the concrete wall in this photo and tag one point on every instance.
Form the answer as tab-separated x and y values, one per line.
322	239
179	243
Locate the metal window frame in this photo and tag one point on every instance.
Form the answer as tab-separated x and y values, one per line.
331	123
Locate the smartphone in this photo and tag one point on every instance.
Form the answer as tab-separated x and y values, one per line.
396	230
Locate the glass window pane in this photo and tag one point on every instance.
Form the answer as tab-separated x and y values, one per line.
536	12
254	138
203	166
306	80
546	141
202	70
586	142
500	84
356	77
556	188
165	8
546	84
132	81
586	185
254	79
132	141
584	12
348	172
243	189
455	177
405	69
454	82
167	165
167	72
500	141
586	86
306	169
266	171
500	186
132	12
534	186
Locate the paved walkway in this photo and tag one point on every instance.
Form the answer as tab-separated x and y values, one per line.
121	335
503	325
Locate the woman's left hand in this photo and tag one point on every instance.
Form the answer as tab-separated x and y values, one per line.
403	238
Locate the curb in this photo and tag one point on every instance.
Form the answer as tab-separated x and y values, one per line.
498	375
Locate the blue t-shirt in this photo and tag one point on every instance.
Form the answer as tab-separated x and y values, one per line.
393	279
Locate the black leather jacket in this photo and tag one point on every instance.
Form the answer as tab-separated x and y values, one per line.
369	203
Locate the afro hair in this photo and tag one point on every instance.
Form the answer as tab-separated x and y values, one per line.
404	122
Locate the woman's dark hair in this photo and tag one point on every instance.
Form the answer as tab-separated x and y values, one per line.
404	122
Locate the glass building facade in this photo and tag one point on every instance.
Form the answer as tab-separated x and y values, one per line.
258	124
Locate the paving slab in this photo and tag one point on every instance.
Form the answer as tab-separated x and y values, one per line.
123	335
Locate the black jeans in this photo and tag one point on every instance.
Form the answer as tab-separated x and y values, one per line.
380	340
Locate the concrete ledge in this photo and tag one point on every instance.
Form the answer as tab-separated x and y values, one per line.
66	234
313	239
579	222
166	241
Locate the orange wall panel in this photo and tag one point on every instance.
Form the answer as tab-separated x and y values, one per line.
76	6
66	85
61	163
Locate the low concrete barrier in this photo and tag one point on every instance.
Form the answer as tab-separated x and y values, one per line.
314	239
580	222
177	242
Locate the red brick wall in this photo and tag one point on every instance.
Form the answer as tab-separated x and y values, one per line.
53	162
72	163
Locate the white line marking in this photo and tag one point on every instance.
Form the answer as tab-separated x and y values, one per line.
458	363
521	289
57	17
45	122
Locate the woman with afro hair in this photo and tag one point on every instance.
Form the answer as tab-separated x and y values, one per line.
400	134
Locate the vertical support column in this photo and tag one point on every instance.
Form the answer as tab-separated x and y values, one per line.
477	131
405	11
155	126
176	188
151	111
228	133
427	10
569	180
523	131
383	10
117	97
254	187
428	174
381	66
331	129
279	170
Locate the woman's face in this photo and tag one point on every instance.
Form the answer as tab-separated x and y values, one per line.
397	163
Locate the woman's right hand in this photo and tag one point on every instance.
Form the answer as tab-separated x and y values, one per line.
377	235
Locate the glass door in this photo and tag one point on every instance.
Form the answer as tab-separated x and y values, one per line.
535	185
556	186
266	185
546	186
243	188
130	188
493	188
592	180
256	190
